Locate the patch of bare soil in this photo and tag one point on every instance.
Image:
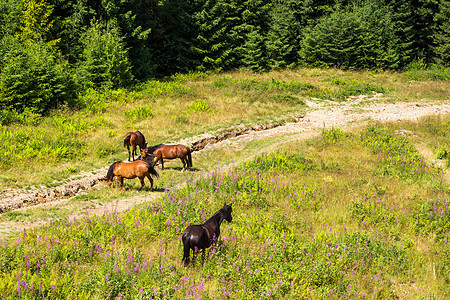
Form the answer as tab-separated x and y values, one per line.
321	115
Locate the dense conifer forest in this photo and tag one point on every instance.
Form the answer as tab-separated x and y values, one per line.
51	50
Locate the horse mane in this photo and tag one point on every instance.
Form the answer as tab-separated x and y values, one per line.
143	137
153	148
214	215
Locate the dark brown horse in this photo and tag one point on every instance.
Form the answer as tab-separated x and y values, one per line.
130	170
202	236
163	151
134	139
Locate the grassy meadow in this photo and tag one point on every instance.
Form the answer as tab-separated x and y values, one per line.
348	214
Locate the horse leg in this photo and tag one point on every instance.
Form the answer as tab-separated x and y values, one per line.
141	179
184	163
120	181
151	182
155	160
129	153
134	151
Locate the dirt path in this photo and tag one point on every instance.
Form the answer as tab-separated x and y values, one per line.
321	114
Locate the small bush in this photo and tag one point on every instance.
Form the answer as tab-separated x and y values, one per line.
199	106
419	71
27	117
356	88
442	153
139	114
279	161
181	119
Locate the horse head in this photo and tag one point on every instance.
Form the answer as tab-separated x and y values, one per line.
227	210
144	153
147	156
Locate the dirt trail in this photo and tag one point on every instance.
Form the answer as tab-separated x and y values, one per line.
321	114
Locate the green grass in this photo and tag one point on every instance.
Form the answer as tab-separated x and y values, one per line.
180	107
361	213
314	219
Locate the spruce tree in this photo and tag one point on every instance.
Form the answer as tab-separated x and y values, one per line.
284	36
442	36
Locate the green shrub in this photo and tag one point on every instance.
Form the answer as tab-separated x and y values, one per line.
355	88
155	88
442	153
33	78
27	117
105	61
352	38
199	106
420	71
279	161
181	119
139	114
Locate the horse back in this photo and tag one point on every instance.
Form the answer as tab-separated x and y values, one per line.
131	169
199	237
173	151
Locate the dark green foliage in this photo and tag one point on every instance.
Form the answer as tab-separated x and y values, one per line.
33	78
217	38
443	33
284	35
170	41
109	43
360	38
9	17
253	27
105	59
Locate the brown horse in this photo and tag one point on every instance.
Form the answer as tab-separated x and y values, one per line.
202	236
130	170
163	151
134	139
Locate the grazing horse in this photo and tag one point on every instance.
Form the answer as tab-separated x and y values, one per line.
130	170
163	151
202	236
134	139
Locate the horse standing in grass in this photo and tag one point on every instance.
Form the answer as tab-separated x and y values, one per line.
134	139
163	151
130	170
202	236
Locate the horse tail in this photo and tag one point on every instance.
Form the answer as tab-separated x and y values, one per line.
110	174
186	246
151	169
189	157
126	141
